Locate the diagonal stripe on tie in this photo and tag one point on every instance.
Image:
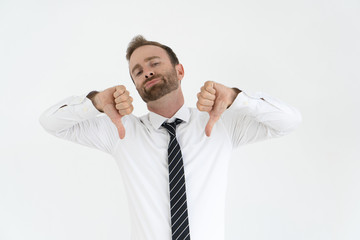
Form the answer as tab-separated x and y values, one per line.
178	204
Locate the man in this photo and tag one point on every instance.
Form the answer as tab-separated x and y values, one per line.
174	160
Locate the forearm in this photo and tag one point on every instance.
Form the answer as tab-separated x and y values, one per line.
269	111
76	119
67	113
258	117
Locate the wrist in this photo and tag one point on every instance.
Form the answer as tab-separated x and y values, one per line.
93	97
92	94
232	95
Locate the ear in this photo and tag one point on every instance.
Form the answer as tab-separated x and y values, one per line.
179	71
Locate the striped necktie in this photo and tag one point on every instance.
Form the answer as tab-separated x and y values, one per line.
178	205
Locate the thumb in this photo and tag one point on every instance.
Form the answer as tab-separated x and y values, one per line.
210	124
215	114
115	117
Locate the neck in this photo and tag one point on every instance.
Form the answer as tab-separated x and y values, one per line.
168	105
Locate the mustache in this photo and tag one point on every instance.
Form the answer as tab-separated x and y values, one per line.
153	77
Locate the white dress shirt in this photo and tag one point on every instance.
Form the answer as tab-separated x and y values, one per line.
142	156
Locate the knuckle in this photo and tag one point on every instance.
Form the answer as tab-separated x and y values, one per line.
205	94
121	106
122	98
122	111
202	101
120	89
208	84
203	108
209	88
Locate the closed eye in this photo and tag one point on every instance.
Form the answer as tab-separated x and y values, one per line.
138	73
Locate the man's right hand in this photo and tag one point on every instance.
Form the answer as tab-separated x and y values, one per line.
115	102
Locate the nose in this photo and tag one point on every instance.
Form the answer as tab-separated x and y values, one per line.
149	74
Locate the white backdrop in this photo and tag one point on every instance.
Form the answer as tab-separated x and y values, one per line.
304	186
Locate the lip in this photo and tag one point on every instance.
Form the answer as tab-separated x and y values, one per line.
152	82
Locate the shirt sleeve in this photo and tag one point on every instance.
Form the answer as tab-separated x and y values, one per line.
258	117
76	119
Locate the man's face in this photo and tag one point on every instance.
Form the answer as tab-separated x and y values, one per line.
153	74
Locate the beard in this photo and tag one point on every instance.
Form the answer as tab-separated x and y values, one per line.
168	83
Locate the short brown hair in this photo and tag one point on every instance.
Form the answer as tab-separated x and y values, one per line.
139	41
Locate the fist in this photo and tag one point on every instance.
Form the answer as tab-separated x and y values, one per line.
206	97
115	102
214	98
123	100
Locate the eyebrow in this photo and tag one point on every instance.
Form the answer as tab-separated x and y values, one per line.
146	60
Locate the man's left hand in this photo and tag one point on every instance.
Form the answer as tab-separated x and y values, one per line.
215	98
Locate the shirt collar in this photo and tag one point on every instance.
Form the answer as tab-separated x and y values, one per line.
156	120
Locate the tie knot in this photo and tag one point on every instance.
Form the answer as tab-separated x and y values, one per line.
171	127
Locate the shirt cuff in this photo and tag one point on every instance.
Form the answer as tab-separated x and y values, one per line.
244	100
82	106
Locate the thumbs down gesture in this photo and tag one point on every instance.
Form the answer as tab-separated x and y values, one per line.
115	102
215	98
